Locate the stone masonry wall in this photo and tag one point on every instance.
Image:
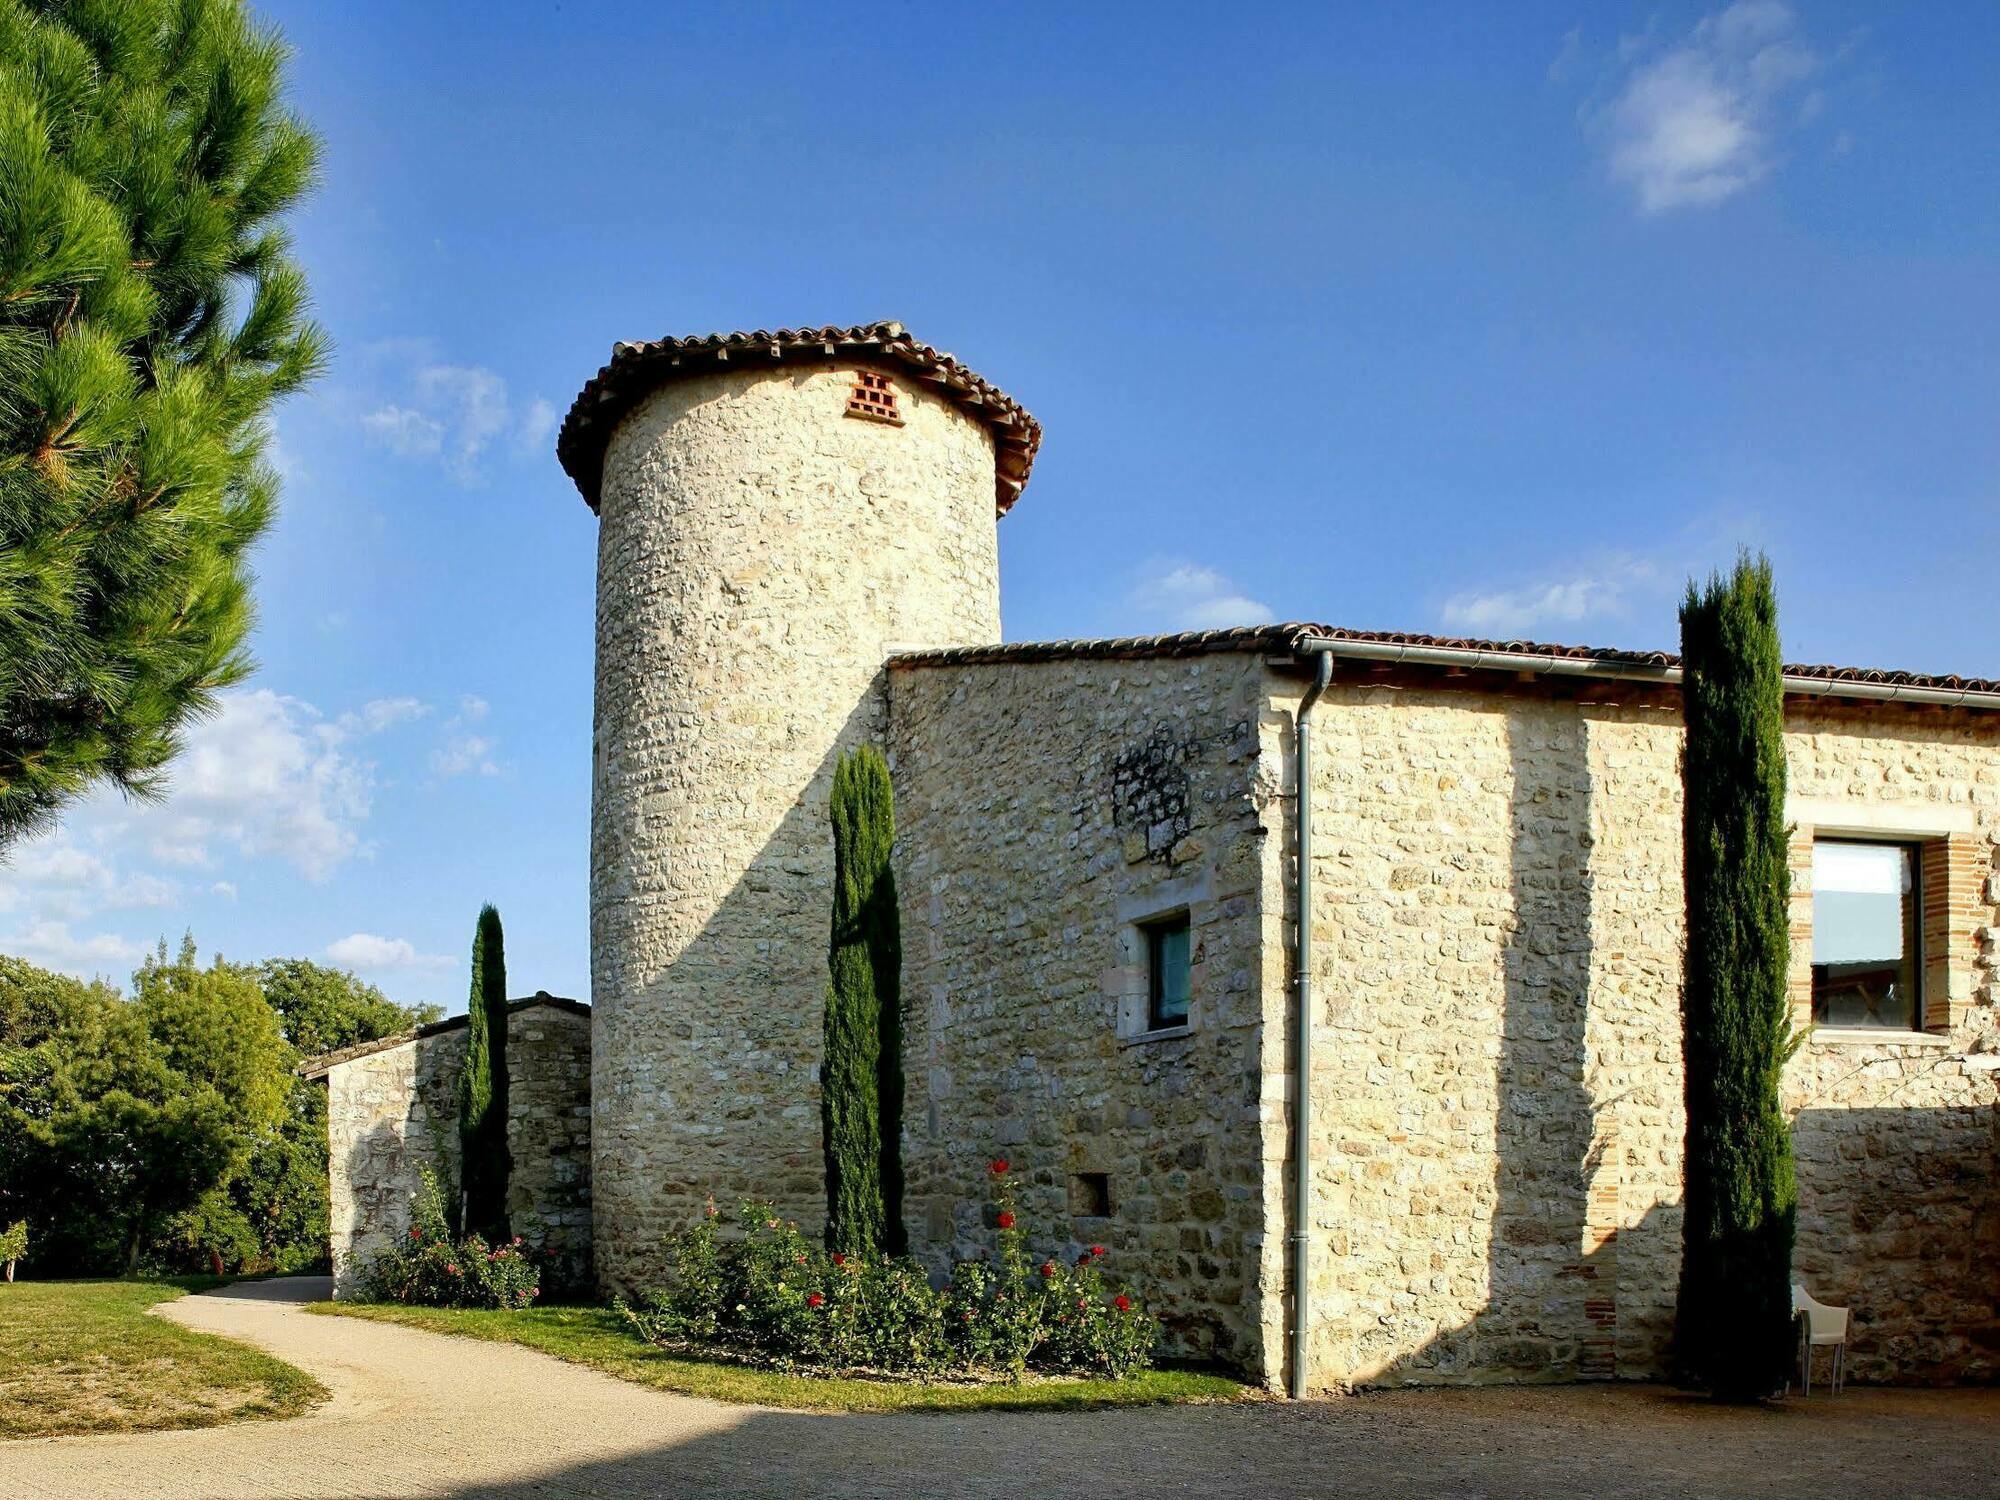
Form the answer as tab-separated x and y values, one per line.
393	1113
760	554
1043	811
1497	1086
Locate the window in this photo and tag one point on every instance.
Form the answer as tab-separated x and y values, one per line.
1867	934
1167	973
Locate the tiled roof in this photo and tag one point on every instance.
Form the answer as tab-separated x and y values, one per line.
1296	635
326	1062
638	369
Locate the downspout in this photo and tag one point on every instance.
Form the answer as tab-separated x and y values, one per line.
1302	1022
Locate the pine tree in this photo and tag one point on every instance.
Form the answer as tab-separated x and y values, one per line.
861	1084
1734	1322
484	1163
150	314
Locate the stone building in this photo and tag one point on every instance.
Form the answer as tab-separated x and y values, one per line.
392	1112
1116	957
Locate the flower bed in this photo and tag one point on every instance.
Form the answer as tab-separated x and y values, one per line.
772	1298
431	1269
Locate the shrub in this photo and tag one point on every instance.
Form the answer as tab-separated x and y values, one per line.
13	1246
430	1270
772	1297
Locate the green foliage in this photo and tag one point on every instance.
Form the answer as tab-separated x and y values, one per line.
150	314
431	1269
861	1085
322	1010
13	1246
484	1165
170	1128
773	1298
1734	1319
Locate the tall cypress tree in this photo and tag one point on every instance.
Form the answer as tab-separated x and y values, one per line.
861	1083
1734	1320
151	312
484	1163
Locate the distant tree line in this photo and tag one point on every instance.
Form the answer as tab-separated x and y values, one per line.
169	1130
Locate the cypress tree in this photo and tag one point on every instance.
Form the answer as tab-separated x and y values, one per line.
1734	1319
150	314
484	1164
861	1082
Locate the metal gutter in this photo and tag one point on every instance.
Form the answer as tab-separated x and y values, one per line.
1474	660
1302	1020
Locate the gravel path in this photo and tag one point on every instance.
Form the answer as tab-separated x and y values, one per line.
420	1414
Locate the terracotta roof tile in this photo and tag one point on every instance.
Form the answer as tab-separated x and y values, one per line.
1291	636
638	369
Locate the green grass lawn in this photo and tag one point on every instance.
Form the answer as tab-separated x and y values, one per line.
84	1356
599	1338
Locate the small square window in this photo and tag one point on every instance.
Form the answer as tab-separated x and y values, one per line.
1867	934
1090	1195
1167	973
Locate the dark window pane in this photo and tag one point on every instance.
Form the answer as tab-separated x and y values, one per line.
1167	983
1867	925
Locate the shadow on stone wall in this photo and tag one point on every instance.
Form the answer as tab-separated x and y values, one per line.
1544	1307
1899	1220
705	1081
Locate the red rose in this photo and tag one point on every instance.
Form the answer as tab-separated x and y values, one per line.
451	1266
1096	1249
1122	1302
814	1300
416	1234
1006	1220
999	1168
840	1257
1048	1268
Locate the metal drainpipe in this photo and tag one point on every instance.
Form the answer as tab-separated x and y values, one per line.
1302	1022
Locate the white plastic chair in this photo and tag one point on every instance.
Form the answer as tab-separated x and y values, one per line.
1824	1326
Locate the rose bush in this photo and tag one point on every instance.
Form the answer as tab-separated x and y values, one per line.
430	1269
768	1295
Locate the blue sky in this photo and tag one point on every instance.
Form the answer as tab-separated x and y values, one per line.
1491	320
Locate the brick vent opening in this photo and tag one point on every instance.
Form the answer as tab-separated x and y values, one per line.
873	398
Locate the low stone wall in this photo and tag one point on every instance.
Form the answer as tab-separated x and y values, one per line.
393	1112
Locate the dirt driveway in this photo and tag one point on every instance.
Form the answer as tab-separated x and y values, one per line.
418	1414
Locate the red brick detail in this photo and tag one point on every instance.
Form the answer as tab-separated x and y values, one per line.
874	397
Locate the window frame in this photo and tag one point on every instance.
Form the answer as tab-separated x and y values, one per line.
1913	846
1155	931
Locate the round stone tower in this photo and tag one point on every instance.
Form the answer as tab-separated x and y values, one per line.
778	514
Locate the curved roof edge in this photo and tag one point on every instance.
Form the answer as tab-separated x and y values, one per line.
638	369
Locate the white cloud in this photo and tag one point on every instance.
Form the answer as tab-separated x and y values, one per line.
463	751
1174	595
51	944
1607	590
267	776
465	754
379	714
407	433
364	950
226	889
1693	123
537	422
449	412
